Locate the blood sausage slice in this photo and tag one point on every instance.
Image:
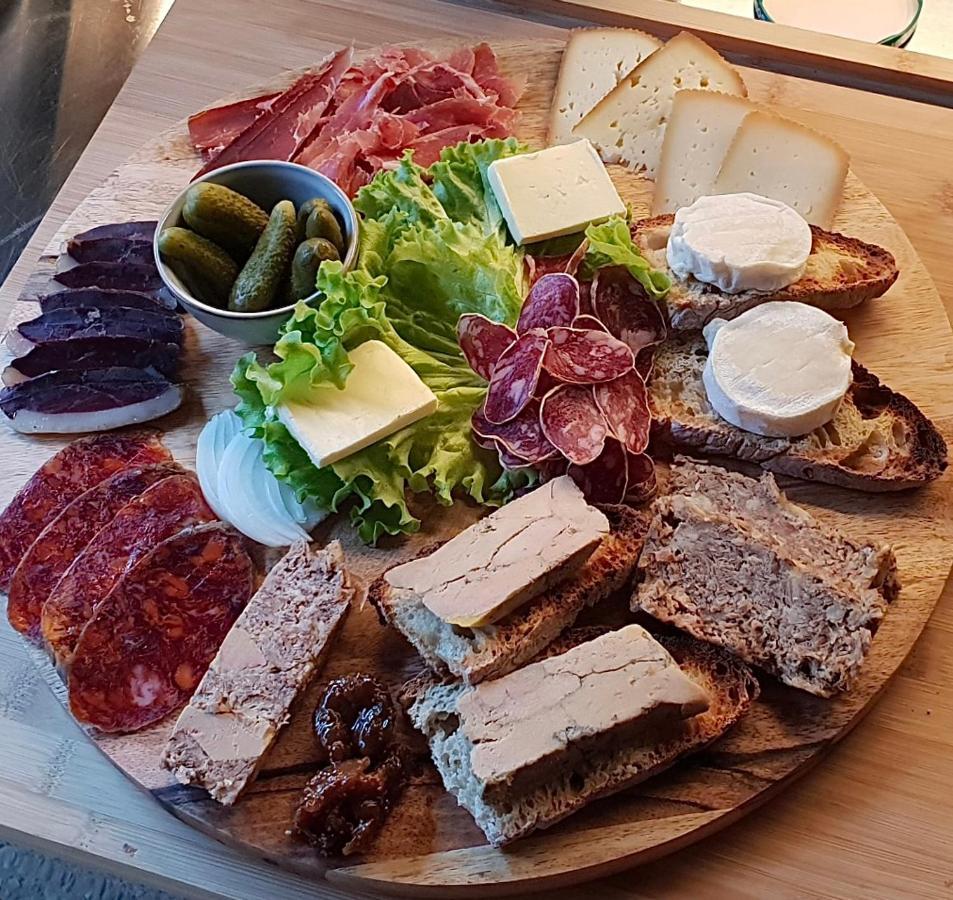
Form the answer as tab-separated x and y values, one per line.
114	276
152	638
51	554
515	377
625	404
159	512
552	300
577	356
521	437
573	423
483	341
621	303
606	479
101	298
75	469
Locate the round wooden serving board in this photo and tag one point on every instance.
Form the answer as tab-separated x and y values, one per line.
430	846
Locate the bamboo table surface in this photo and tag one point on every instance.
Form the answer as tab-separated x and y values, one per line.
872	821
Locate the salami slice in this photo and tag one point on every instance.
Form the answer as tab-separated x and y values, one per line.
645	362
515	377
586	356
642	485
51	554
624	402
152	638
483	341
605	479
159	512
76	468
628	312
585	298
573	423
521	437
589	323
552	300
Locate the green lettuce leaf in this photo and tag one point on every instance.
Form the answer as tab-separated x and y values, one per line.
610	244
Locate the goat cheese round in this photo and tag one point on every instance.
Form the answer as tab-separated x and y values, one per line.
739	242
778	370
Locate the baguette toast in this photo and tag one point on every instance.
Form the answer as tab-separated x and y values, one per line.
877	441
841	272
476	654
731	689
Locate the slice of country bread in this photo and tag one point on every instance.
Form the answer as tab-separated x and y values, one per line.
877	441
594	62
841	272
731	689
476	654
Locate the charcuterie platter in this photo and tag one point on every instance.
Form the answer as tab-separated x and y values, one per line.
881	523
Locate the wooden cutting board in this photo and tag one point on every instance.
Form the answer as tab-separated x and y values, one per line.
430	846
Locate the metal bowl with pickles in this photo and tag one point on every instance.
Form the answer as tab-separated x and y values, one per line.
241	245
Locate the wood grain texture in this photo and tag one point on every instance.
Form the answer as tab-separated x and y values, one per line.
751	857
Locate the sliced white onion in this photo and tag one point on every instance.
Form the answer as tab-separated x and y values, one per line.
215	437
250	495
306	514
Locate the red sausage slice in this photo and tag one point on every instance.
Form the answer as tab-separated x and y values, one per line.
573	423
515	377
586	356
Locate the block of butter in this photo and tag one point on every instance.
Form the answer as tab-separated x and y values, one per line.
553	192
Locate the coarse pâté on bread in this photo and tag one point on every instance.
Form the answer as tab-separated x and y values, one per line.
841	272
575	780
732	561
476	654
877	441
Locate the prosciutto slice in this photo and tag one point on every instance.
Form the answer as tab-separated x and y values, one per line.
214	129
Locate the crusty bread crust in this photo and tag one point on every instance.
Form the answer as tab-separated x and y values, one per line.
841	272
878	440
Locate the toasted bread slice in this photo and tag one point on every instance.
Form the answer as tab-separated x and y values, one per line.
877	441
731	689
476	654
841	272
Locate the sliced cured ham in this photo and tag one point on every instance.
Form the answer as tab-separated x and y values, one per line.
213	129
119	276
74	470
164	509
91	400
152	638
101	298
50	555
80	354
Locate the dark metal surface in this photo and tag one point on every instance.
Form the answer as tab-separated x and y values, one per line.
62	62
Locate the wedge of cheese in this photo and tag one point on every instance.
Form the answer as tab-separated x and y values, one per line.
699	133
785	161
594	62
628	124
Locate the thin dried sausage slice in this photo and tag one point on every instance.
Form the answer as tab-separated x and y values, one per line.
159	512
521	437
586	356
483	341
76	468
552	300
624	402
152	638
57	545
606	479
573	423
642	485
620	302
515	377
588	322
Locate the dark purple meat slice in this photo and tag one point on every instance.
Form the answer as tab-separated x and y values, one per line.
483	342
552	300
92	400
118	250
628	313
112	275
515	377
102	298
133	231
89	322
573	423
95	353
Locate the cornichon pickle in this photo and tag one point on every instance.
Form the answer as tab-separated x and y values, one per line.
304	267
203	267
224	216
304	211
261	278
322	223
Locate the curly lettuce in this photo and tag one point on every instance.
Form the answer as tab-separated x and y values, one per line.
611	244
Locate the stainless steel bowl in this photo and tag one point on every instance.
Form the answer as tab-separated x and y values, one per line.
265	182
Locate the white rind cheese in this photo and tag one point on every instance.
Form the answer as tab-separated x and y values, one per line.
505	559
553	192
594	62
778	370
739	242
382	395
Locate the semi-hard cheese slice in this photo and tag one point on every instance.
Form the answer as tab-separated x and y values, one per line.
382	395
697	137
628	124
779	370
611	688
507	558
593	63
265	661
